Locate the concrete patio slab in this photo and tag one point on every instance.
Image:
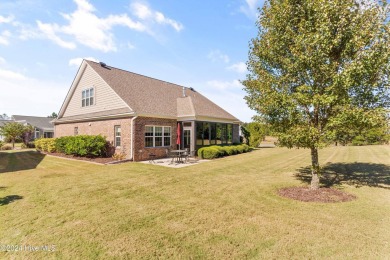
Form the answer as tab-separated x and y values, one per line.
167	162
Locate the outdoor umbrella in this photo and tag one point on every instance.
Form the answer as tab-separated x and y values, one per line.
178	140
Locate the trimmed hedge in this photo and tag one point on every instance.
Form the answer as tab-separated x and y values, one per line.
80	145
212	152
45	145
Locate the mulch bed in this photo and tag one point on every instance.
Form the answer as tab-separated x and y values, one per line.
326	195
95	160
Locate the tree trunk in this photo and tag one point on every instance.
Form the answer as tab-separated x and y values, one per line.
315	170
13	144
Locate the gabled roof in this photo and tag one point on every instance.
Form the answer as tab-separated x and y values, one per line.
156	98
43	123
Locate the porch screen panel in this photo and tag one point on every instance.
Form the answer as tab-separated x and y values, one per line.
230	133
206	133
213	134
199	133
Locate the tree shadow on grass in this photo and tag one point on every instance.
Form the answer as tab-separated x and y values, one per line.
19	161
356	174
8	199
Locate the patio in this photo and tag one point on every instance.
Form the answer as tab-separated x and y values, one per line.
167	162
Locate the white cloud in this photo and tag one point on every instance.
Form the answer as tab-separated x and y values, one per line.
4	37
50	32
11	75
144	12
2	60
250	8
224	85
217	55
86	28
76	62
130	46
239	67
8	19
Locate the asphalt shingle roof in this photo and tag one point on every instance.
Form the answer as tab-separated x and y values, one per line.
39	122
150	96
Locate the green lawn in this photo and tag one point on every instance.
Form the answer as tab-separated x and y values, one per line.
223	209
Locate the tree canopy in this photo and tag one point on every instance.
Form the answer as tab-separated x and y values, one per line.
314	64
12	131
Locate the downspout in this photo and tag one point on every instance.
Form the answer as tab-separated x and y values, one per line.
132	139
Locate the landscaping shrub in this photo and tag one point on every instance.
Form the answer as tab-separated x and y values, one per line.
6	147
119	156
215	151
45	145
84	145
240	149
61	143
221	150
210	153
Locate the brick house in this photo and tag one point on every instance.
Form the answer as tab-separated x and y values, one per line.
140	115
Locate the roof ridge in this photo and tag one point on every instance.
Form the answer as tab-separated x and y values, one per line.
138	74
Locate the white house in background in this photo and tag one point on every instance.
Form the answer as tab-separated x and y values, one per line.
42	125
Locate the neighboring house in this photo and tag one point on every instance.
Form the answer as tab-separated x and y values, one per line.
140	115
43	128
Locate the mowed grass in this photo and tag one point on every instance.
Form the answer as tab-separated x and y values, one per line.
223	209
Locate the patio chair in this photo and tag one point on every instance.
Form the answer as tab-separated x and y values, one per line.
170	155
191	158
152	156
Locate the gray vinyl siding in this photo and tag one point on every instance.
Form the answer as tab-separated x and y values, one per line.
105	98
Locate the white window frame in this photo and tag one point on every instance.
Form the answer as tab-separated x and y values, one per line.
116	136
36	130
84	97
162	136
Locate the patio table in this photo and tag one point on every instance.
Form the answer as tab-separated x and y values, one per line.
178	155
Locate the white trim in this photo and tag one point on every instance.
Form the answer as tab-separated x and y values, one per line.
72	88
93	97
93	118
132	138
115	136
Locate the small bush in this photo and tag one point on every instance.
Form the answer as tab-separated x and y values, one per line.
6	147
210	153
45	145
119	156
23	146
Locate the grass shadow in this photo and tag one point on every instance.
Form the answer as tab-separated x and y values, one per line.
8	199
356	174
19	161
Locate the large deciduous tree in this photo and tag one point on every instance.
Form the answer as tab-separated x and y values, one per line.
316	62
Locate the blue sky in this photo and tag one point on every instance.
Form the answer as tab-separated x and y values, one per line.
199	44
